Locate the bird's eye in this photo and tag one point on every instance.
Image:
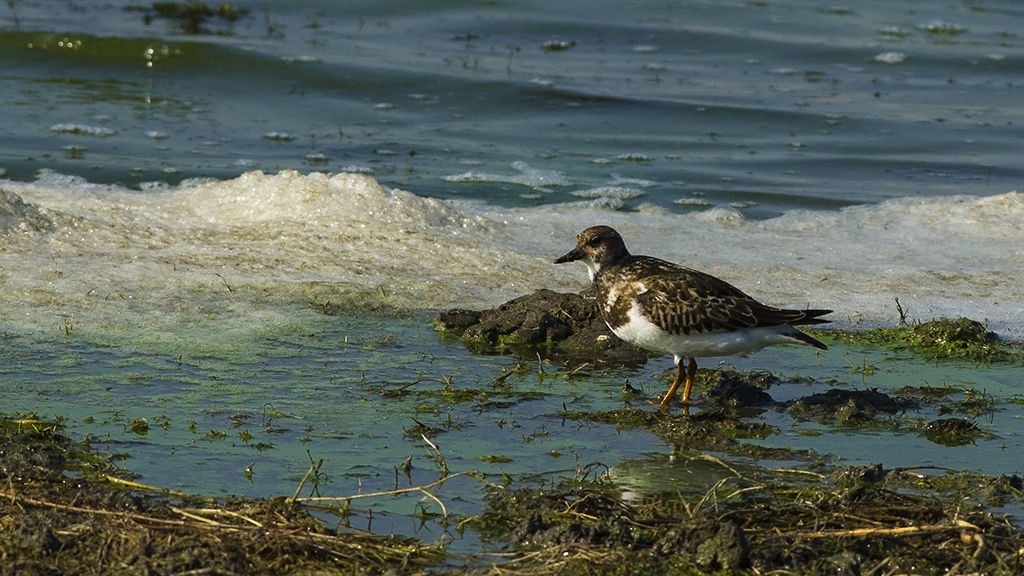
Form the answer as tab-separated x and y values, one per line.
594	241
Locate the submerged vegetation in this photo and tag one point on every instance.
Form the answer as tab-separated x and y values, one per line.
193	16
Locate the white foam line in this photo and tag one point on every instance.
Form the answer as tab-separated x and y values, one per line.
290	237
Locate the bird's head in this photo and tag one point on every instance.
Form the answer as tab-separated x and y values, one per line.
596	247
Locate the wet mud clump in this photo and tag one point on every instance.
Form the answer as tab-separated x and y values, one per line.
604	535
846	407
743	392
857	520
953	432
718	427
565	328
724	418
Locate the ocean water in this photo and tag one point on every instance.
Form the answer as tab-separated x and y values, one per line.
178	209
762	106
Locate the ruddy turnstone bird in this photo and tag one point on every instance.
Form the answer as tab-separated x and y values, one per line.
667	308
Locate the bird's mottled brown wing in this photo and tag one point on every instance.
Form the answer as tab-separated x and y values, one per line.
685	301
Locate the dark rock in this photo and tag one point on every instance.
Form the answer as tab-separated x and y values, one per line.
18	216
457	319
562	327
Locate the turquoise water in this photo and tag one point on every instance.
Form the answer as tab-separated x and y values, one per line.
177	210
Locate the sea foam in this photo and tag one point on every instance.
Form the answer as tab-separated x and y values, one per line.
121	259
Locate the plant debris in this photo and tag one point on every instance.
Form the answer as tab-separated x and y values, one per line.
65	510
864	520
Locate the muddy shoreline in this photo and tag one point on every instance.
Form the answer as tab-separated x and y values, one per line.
68	509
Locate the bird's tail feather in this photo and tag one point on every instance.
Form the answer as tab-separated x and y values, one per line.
811	317
805	339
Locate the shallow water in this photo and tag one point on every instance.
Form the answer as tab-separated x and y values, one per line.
324	387
170	234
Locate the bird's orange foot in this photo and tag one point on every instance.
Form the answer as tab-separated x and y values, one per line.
667	402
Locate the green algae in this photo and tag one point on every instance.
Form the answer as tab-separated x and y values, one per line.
939	339
496	397
348	301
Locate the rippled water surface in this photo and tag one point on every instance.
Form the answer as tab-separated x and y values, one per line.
765	105
179	209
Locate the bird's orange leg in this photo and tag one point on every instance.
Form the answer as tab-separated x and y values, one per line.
681	376
691	373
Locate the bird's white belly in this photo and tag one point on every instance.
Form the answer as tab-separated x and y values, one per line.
643	333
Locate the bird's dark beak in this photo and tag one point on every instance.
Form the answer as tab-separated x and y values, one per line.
573	255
